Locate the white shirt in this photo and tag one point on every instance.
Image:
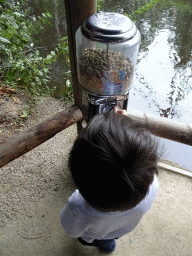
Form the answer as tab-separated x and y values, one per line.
81	220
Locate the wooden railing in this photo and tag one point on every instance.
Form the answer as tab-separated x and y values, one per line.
34	136
76	12
163	127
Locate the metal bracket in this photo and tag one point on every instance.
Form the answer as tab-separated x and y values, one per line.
106	104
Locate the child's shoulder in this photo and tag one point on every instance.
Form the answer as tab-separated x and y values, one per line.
76	200
151	195
155	183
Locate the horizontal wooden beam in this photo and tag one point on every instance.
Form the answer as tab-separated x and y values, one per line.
163	127
34	136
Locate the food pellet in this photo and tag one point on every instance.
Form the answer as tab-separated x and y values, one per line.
103	72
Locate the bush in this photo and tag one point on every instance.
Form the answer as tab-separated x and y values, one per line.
21	65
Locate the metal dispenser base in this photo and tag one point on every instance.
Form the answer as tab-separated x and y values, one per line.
100	104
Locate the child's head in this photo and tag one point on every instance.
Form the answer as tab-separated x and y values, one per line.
113	162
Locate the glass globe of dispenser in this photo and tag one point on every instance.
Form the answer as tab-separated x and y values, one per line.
107	47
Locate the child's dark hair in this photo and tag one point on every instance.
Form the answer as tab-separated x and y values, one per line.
113	162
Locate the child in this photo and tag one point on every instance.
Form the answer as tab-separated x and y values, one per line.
113	163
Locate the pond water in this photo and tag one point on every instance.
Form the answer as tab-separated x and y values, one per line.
163	84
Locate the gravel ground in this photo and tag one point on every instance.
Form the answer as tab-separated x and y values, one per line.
35	187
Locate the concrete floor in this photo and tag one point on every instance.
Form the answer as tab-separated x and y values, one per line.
165	230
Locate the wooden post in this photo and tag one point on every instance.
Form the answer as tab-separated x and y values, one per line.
34	136
77	11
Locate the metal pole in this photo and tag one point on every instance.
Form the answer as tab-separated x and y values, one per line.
77	11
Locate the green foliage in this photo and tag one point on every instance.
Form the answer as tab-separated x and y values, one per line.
142	9
26	112
21	65
185	6
68	89
63	48
99	3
